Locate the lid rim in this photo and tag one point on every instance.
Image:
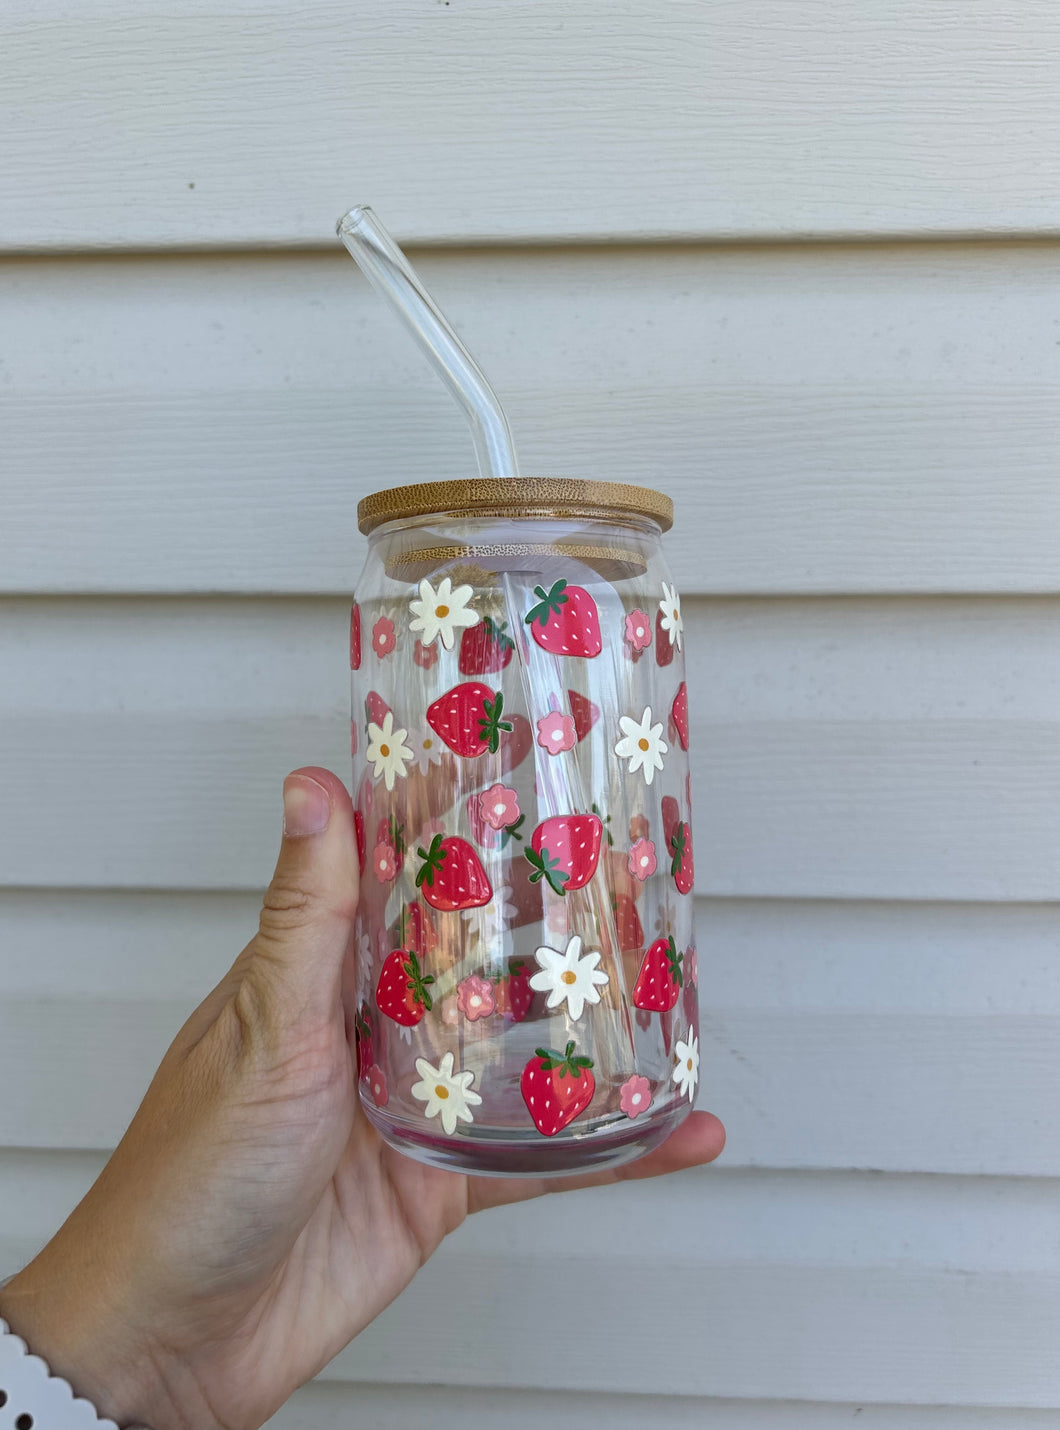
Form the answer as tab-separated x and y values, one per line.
510	495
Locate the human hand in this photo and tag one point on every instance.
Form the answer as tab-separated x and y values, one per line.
251	1222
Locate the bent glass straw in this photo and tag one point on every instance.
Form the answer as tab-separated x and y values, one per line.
390	273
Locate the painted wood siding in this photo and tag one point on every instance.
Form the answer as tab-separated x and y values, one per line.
689	243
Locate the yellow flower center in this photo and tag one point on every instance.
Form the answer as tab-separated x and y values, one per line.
643	744
689	1065
568	977
441	612
384	750
428	742
443	1092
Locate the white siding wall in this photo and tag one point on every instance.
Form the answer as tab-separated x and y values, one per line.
687	240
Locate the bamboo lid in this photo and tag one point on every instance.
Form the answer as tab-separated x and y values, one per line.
518	498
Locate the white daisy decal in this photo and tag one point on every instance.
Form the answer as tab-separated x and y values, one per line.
387	752
670	609
488	922
426	749
568	977
447	1093
686	1071
641	744
439	613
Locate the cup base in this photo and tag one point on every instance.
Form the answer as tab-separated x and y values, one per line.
496	1154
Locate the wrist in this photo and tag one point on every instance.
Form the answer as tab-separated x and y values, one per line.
75	1322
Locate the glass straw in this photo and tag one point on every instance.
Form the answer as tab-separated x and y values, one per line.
390	273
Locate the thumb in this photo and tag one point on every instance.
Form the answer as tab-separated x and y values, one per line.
307	913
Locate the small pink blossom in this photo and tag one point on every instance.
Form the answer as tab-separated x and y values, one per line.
474	997
499	806
638	630
636	1096
642	861
384	863
425	655
376	1081
383	640
556	732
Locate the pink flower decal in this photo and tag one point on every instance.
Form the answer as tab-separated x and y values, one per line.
638	630
474	997
384	864
642	861
556	732
383	640
425	655
376	1081
499	806
636	1096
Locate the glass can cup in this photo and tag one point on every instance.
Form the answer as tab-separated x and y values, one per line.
526	960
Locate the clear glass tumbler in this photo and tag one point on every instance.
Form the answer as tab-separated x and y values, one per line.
526	957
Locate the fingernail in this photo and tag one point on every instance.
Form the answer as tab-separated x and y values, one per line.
306	807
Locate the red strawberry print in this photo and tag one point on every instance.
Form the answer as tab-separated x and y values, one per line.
414	931
355	637
391	832
362	1024
584	713
565	621
682	867
362	847
564	850
679	714
375	708
664	651
671	818
627	924
512	992
401	992
518	744
468	719
659	981
485	648
556	1087
451	876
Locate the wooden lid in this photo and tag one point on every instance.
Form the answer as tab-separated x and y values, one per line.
516	497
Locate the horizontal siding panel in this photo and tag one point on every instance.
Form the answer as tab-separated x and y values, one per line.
329	1406
938	1285
853	1089
942	810
210	424
776	955
937	784
182	124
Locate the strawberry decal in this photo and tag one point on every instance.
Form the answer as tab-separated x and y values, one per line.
556	1087
512	993
451	876
486	648
362	847
584	712
375	708
565	850
628	926
679	714
671	818
681	866
468	719
414	931
401	992
659	982
565	621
